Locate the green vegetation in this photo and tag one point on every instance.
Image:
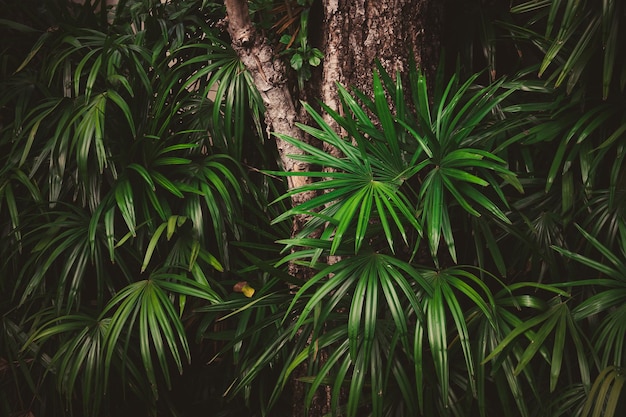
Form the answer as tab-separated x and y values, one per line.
478	227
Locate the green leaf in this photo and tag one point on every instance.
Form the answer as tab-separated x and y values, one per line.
296	61
314	61
384	114
437	338
152	245
125	202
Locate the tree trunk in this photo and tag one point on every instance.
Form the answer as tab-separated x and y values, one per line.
354	35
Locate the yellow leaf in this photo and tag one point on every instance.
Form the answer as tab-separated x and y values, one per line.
247	290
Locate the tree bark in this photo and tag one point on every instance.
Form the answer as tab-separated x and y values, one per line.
357	33
270	78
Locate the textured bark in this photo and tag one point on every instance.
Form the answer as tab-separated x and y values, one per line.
359	32
269	75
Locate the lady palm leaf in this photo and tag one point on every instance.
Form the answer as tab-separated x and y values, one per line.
255	342
573	31
454	169
442	305
499	343
217	72
363	185
373	179
147	305
556	323
605	394
377	284
79	359
65	256
609	300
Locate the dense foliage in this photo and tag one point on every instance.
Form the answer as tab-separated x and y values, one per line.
476	228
